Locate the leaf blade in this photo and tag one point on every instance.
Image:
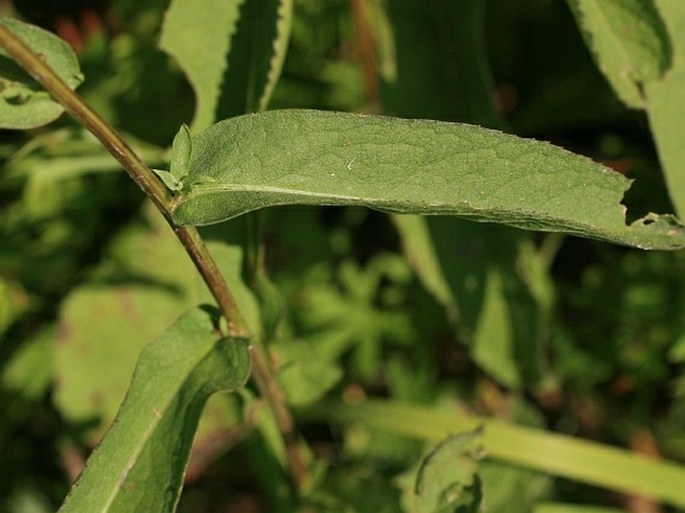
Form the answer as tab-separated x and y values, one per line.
199	38
279	44
666	107
181	151
409	166
150	442
535	449
629	42
104	324
23	103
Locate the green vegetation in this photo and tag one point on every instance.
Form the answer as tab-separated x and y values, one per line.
423	224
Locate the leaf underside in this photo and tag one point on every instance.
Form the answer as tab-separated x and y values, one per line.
409	167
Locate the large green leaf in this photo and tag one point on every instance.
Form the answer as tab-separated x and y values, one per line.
256	58
232	52
140	463
23	103
408	166
629	41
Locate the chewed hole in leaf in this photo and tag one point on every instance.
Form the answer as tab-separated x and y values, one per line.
647	193
399	166
16	97
24	104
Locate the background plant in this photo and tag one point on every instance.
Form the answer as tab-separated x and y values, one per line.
439	317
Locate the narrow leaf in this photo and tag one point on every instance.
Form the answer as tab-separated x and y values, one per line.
279	44
168	179
23	103
494	309
256	57
199	38
535	449
232	52
666	106
181	151
413	167
139	465
629	41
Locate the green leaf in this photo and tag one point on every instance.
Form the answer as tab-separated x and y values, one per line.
172	183
140	463
410	166
535	449
23	103
145	282
666	106
629	41
232	52
304	376
489	295
447	481
494	338
557	507
418	246
256	58
512	489
199	38
282	10
181	151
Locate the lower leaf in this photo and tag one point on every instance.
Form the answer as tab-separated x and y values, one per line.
139	465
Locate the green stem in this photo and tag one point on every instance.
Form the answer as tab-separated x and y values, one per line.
74	104
284	420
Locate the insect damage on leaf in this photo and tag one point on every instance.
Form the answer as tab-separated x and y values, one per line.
405	166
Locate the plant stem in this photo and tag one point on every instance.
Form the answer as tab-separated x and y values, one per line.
206	265
189	237
74	104
269	388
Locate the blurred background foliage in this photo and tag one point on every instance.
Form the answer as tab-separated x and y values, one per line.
575	336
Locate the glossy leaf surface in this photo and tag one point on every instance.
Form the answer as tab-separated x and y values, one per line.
409	166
